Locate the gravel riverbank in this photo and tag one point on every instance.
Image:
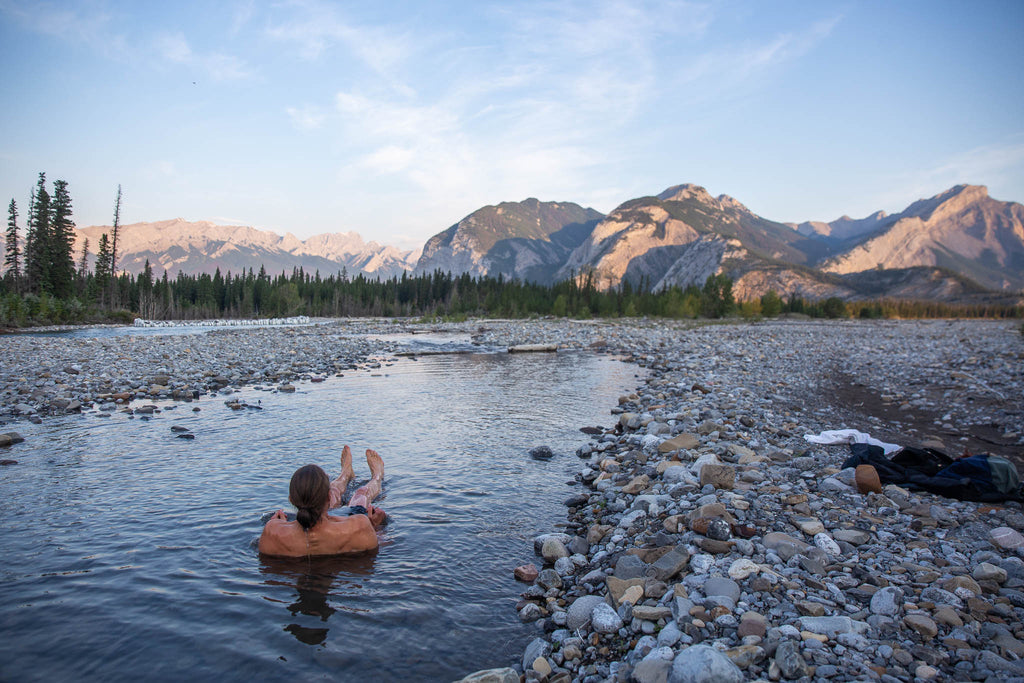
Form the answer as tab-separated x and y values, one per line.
772	567
769	564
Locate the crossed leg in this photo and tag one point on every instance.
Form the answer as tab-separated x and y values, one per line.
339	485
365	494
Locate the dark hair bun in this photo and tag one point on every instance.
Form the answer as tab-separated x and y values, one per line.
307	517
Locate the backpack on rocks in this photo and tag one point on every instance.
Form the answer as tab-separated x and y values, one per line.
983	478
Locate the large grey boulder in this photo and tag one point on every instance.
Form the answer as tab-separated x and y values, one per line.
703	664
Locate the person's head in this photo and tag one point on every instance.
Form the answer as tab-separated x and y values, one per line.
309	492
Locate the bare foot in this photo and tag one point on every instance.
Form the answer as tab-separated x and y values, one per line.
376	464
347	472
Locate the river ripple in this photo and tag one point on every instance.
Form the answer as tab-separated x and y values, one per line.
129	552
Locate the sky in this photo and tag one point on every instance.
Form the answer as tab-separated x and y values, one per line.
398	119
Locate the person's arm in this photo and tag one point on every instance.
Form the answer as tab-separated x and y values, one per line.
360	535
269	542
377	516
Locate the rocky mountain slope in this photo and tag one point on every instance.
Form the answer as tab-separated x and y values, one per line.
962	229
528	240
202	247
644	238
938	248
844	228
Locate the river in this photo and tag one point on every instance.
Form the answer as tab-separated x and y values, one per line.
130	552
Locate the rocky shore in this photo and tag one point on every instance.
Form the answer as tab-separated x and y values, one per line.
710	542
705	539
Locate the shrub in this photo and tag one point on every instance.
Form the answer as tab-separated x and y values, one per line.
771	304
834	307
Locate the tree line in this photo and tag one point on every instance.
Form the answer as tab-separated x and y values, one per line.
42	285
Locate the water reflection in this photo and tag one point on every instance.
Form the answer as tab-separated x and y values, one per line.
150	550
316	582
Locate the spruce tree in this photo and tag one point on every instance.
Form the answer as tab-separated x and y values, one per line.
62	242
115	231
37	248
12	252
102	271
83	263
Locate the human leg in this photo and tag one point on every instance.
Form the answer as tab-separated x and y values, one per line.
365	494
339	485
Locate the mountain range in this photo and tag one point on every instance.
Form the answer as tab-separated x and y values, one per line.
203	247
960	245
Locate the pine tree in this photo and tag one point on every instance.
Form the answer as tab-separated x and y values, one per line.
37	248
115	232
112	294
12	252
62	242
83	263
103	268
145	287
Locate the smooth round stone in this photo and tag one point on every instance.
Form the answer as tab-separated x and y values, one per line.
947	616
753	625
580	610
743	546
989	572
784	545
564	566
922	624
962	582
549	579
703	664
718	529
719	586
530	612
669	635
1007	538
745	656
604	619
852	536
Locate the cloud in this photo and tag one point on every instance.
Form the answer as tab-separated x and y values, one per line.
980	162
726	68
541	105
390	159
1000	165
175	48
307	117
71	24
313	28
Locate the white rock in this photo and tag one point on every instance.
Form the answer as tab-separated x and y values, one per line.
604	619
825	542
741	569
701	564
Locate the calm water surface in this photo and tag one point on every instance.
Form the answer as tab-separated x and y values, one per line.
131	553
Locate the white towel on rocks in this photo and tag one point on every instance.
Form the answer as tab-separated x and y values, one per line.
837	436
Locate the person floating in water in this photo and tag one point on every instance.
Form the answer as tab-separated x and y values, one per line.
314	532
